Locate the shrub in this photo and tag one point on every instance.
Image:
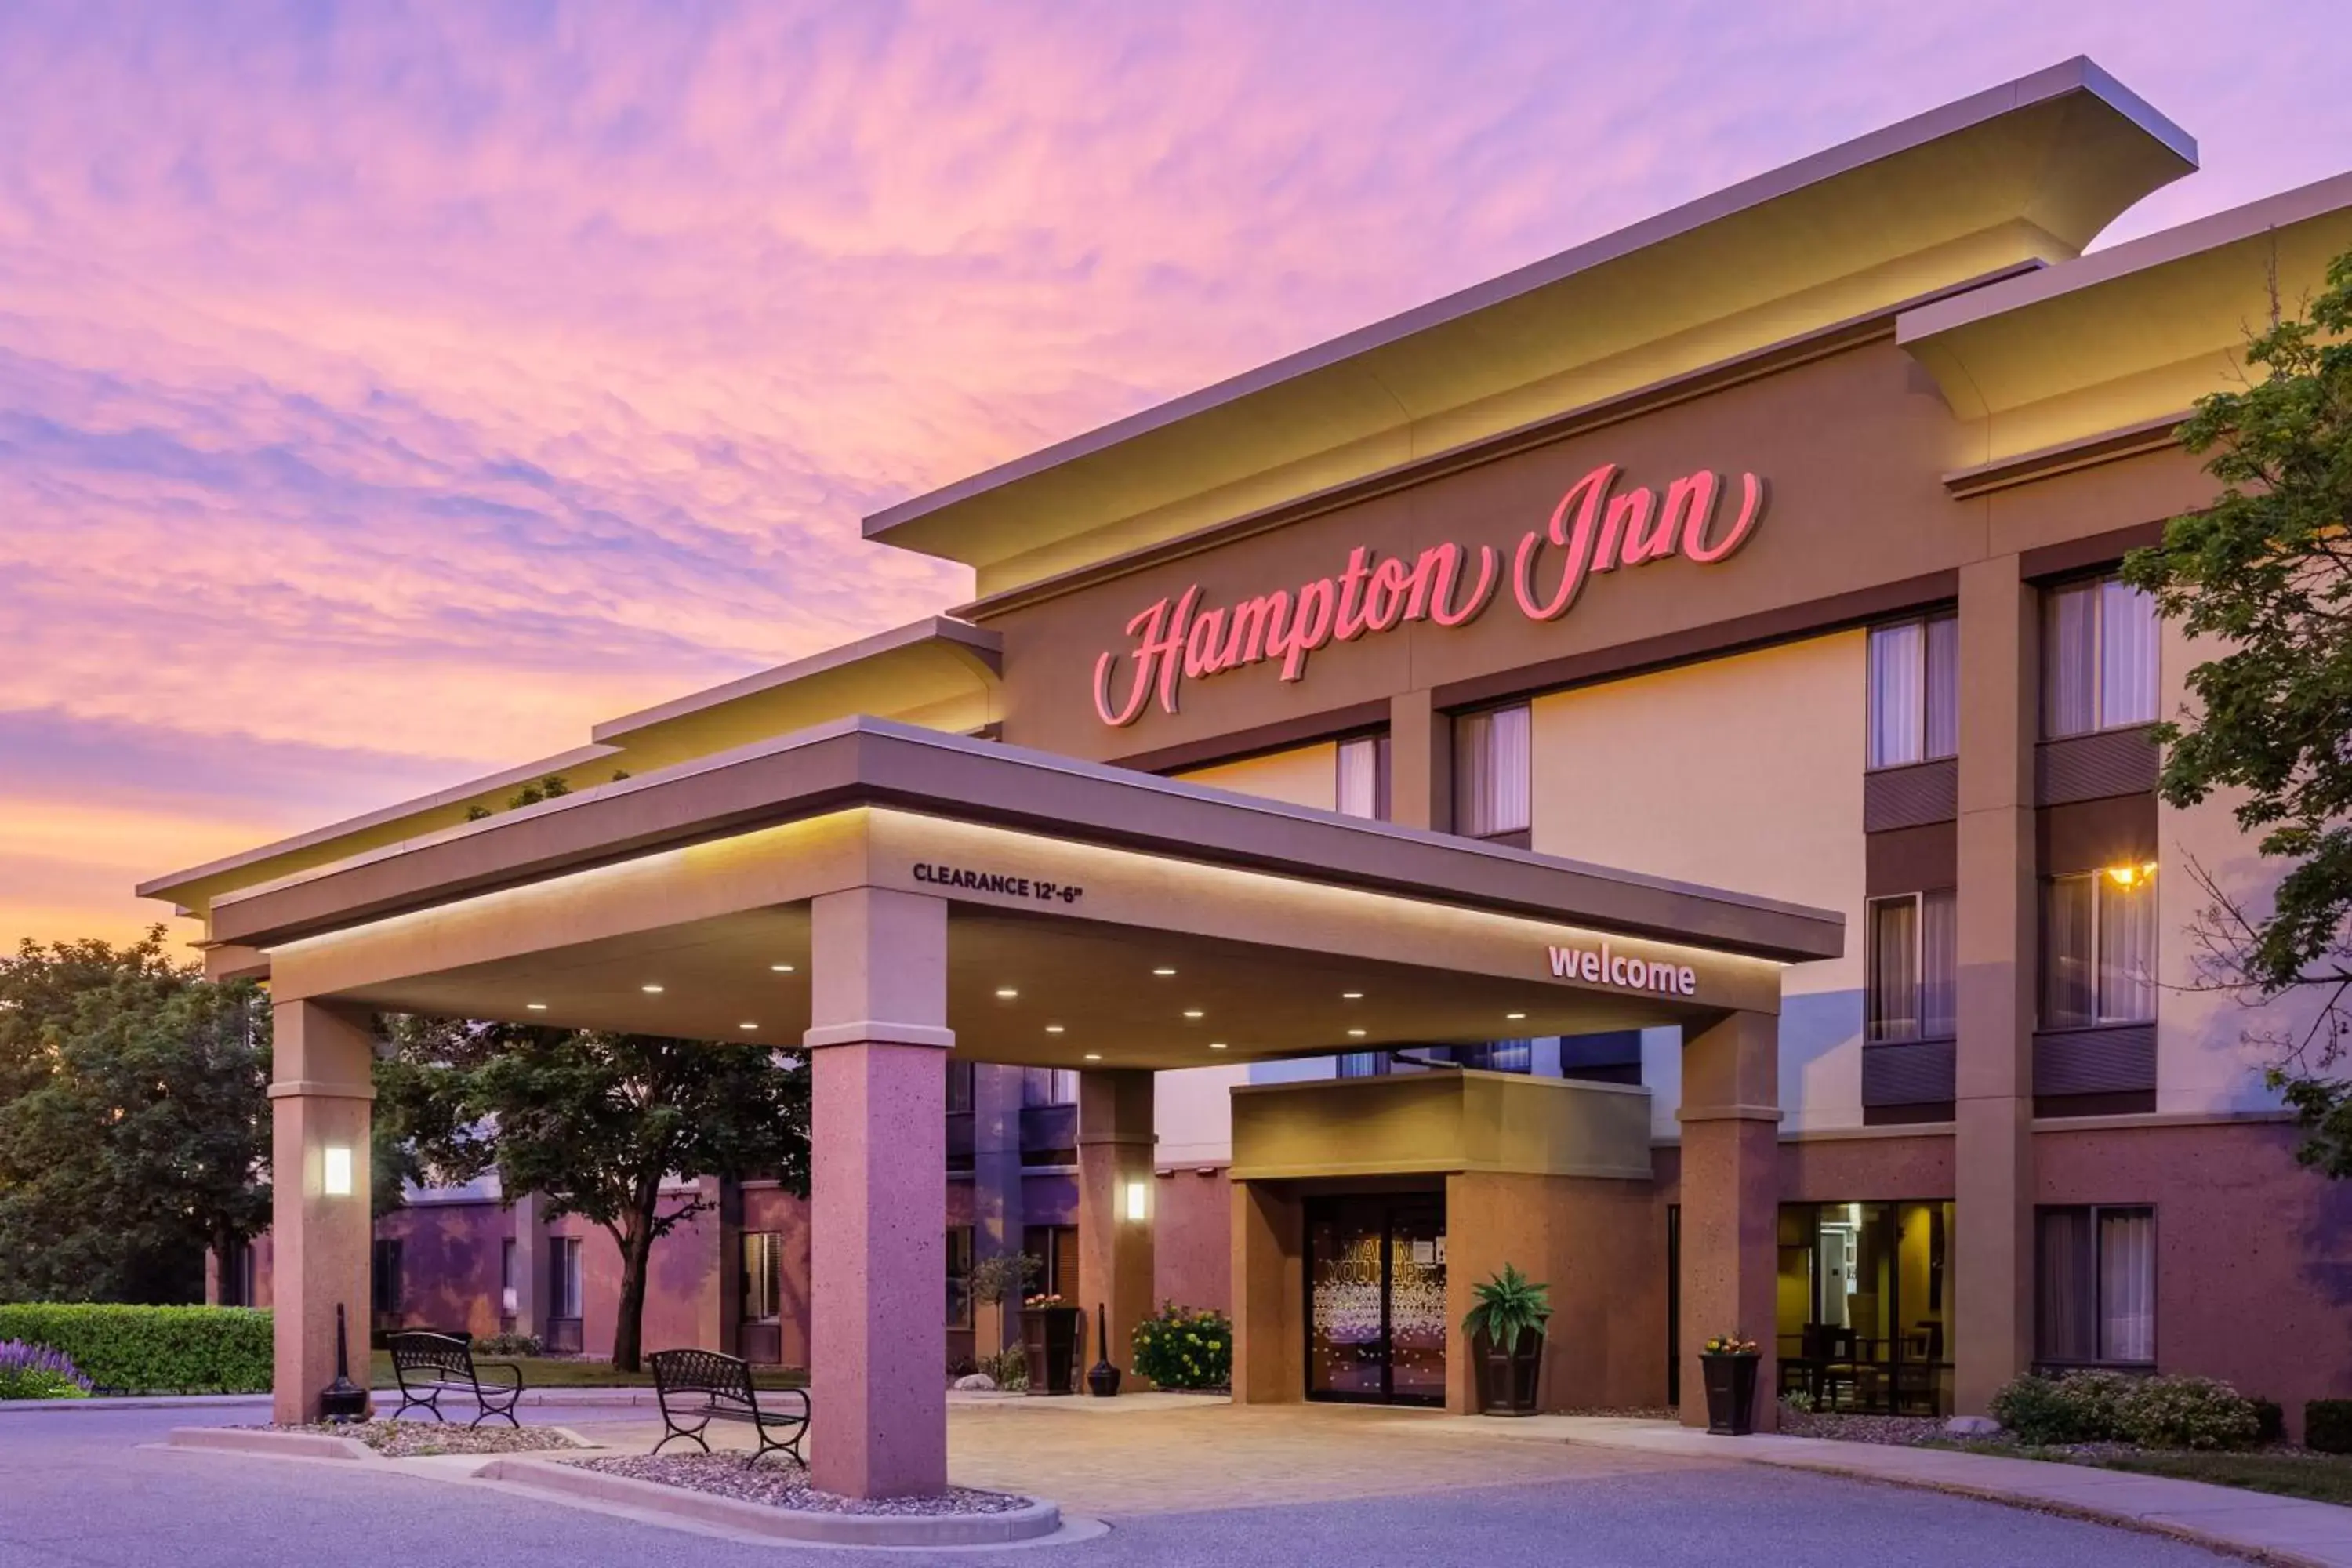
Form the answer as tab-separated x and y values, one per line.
2188	1413
510	1345
1179	1348
36	1371
2270	1421
177	1350
1008	1367
2079	1408
2327	1425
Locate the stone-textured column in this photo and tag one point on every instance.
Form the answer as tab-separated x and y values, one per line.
1269	1290
997	1218
1730	1197
1114	1255
1992	1328
1421	762
878	1193
323	1086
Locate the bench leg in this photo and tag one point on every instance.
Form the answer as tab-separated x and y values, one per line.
676	1432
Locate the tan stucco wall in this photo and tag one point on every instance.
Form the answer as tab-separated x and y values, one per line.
1737	772
1304	775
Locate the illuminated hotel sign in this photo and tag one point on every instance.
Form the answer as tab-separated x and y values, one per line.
1604	966
1591	532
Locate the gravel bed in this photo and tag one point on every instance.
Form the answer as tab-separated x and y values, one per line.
1629	1412
783	1484
417	1439
1900	1431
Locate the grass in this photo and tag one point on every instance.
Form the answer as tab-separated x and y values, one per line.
563	1372
2321	1478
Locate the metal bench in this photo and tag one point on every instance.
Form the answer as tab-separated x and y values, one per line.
698	1387
428	1366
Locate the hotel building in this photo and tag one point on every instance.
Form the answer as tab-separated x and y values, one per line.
1638	770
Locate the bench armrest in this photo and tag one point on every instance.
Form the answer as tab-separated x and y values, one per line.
510	1368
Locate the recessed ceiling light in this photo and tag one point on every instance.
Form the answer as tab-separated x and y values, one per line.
1053	1028
782	968
1163	972
1191	1011
747	1026
536	1006
1351	995
650	990
1007	991
1357	1034
1514	1016
1094	1055
1216	1045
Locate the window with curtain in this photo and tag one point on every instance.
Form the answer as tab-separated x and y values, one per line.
1361	786
507	1277
1491	773
762	1277
2099	657
1913	959
2096	1286
958	1276
1496	1055
1915	691
1049	1086
1363	1064
958	1087
1055	1246
564	1291
2098	948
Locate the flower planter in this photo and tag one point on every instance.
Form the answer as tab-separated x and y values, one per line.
1506	1379
1050	1338
1730	1381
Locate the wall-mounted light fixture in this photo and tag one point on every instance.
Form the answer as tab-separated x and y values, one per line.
1139	1197
336	1173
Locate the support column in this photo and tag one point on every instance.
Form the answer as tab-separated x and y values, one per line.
1421	762
1730	1198
324	1061
1269	1288
1992	1337
997	1218
878	1193
1116	1199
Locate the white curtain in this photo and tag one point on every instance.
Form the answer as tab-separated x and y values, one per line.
2126	1285
1897	699
2127	655
1491	771
1943	684
2070	661
1939	954
1893	970
2069	999
2128	949
1358	782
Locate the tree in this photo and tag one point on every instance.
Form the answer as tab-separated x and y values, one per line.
2266	574
598	1123
134	1133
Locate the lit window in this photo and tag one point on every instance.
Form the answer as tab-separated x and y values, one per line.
1491	773
2098	948
762	1277
1914	955
1915	691
1361	786
2096	1286
2098	658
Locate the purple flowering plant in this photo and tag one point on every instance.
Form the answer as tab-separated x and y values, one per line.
36	1371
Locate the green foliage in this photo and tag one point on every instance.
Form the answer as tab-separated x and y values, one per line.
1008	1367
2270	1421
134	1127
1005	1276
596	1123
2265	573
1177	1347
1509	1305
2327	1425
36	1371
510	1345
157	1350
2114	1407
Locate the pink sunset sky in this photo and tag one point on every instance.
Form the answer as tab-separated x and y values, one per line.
387	393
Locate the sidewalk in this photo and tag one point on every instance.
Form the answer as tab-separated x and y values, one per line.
383	1397
2279	1529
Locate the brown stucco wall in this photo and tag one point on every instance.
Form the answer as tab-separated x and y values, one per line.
1868	1169
1192	1239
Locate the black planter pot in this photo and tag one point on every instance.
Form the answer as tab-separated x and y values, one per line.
1730	1382
1050	1338
1506	1379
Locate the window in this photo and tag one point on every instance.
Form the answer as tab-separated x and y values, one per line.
1049	1086
1914	958
1055	1246
564	1291
2098	658
1494	1055
2098	948
507	1277
387	1289
958	1087
1361	786
762	1277
1915	691
2096	1293
1492	771
237	1277
958	1276
1364	1064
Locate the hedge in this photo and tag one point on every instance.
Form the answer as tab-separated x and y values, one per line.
2327	1425
152	1349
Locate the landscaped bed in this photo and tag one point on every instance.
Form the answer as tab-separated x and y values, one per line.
419	1439
786	1485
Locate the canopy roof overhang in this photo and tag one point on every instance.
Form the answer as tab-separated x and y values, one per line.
1071	885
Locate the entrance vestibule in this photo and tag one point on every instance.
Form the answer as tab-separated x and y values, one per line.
1376	1304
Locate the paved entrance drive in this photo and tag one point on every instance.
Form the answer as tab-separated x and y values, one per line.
1179	1483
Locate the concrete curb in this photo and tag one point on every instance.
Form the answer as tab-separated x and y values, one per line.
532	1398
277	1445
1038	1519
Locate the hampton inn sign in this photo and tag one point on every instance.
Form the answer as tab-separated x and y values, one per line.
1591	529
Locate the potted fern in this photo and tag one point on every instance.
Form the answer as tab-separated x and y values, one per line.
1506	1330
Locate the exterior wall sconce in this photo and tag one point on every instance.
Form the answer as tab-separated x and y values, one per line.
1138	1199
337	1175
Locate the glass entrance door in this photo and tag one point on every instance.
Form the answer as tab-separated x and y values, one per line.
1376	1298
